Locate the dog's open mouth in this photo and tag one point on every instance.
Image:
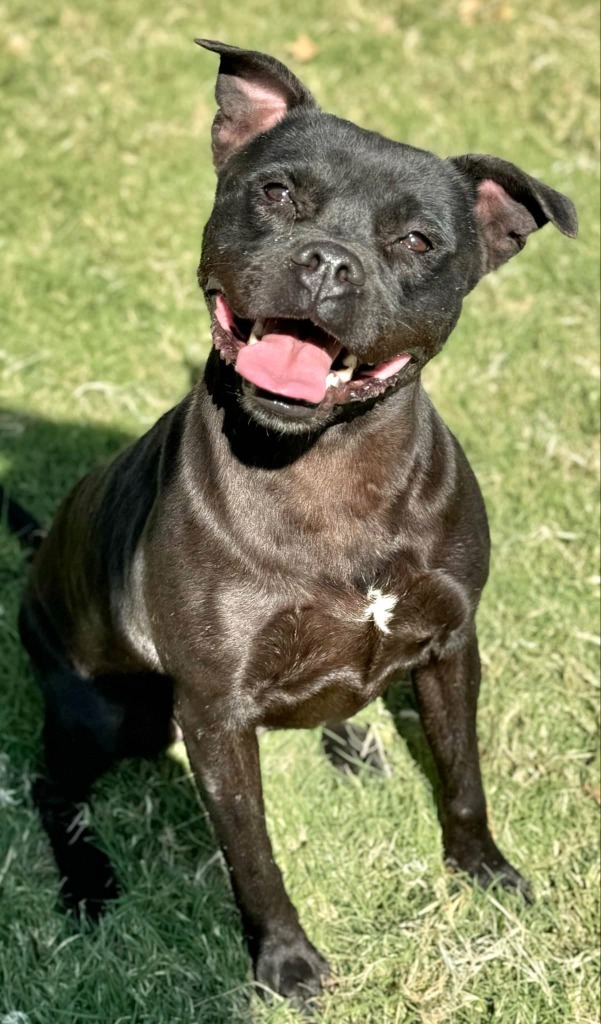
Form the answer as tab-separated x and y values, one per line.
297	361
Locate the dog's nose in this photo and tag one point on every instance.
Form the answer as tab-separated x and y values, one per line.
328	270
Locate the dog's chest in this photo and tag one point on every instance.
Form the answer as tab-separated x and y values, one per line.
325	658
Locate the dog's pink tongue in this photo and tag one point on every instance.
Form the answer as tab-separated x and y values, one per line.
286	366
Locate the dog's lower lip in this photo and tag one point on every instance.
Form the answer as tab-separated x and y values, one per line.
287	407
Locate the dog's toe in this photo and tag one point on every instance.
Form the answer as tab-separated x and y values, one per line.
295	971
492	871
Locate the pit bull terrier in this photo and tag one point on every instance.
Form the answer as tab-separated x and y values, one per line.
302	528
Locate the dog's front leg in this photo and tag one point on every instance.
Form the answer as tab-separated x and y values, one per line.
227	768
447	695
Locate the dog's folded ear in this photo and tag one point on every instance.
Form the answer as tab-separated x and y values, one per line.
253	92
509	205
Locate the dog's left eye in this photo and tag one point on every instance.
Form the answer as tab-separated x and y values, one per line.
415	241
277	193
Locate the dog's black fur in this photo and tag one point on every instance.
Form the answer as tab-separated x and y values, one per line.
262	560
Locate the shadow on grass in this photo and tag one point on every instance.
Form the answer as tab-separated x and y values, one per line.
41	461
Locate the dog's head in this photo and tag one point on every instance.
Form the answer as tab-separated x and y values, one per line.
335	261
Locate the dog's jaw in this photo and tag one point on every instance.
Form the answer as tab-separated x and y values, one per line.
338	378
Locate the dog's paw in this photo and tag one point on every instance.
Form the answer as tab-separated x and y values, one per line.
88	883
349	748
490	868
292	968
90	887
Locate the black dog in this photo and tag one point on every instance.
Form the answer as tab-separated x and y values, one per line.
302	528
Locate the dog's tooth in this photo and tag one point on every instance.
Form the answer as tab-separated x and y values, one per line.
332	380
252	340
349	365
345	375
259	328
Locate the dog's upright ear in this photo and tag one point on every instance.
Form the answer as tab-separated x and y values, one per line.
509	205
253	92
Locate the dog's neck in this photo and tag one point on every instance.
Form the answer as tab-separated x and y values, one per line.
333	500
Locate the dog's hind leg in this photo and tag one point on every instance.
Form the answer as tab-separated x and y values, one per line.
80	743
90	724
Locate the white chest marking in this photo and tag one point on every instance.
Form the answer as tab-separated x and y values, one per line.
380	608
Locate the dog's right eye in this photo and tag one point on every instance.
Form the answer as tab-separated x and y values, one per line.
277	193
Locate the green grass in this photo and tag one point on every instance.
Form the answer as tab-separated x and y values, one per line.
106	182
